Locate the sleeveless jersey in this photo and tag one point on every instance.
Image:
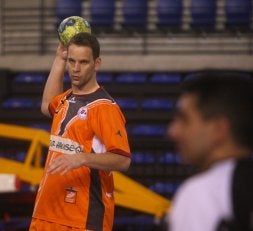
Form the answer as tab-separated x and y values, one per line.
83	197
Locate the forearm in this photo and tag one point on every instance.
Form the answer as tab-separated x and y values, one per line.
54	84
106	161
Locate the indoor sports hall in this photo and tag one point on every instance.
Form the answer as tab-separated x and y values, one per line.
148	47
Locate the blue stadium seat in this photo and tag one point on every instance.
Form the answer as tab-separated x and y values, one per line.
67	8
20	156
43	126
203	14
193	75
166	78
143	158
168	158
147	130
15	223
18	103
66	78
164	187
135	14
169	14
157	104
102	14
29	77
138	158
104	78
238	14
128	104
37	103
131	78
170	187
149	158
158	187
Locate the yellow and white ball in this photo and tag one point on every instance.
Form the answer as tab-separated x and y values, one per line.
71	26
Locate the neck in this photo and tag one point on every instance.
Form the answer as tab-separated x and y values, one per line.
231	151
87	89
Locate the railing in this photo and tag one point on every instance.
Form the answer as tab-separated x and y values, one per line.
135	196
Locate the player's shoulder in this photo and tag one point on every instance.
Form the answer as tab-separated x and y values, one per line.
205	182
63	95
101	95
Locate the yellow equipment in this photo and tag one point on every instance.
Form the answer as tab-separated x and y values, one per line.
128	193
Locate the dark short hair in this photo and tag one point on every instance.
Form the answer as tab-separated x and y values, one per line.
87	40
225	94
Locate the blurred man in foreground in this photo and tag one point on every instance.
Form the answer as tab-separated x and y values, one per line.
213	130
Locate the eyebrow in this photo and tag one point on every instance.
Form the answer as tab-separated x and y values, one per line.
82	60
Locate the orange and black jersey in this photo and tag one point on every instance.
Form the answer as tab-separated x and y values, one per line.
92	124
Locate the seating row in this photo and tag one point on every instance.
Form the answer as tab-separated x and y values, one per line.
106	78
152	158
125	103
169	12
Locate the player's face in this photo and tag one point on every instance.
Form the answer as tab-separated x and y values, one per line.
82	68
190	132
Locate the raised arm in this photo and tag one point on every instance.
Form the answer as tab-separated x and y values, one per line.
54	84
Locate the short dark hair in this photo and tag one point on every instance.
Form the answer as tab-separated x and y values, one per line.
87	39
229	95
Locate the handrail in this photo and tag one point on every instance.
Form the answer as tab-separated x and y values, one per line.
135	196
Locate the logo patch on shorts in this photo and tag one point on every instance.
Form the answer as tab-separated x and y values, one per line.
70	196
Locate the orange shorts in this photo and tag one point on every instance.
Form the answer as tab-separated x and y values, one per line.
41	225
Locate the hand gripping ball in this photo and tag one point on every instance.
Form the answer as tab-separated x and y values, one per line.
71	26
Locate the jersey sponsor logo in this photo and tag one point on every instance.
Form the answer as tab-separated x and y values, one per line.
64	145
82	113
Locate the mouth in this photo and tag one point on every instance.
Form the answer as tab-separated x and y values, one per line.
75	78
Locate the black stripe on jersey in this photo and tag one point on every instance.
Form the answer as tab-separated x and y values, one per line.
81	101
96	208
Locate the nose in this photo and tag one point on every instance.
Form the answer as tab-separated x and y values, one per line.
76	67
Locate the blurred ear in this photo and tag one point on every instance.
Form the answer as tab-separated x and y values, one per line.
221	129
97	63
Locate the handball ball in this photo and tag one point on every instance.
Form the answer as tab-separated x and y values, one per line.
71	26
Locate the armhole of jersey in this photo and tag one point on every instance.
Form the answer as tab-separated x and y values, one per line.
49	110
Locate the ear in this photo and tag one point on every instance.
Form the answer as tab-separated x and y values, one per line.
220	129
97	63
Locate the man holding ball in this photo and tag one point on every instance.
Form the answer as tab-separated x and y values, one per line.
88	141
